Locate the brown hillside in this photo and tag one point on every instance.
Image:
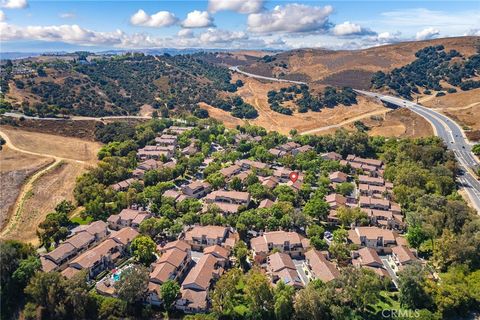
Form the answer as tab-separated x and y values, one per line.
350	67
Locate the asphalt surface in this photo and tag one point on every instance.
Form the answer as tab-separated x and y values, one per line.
452	134
251	75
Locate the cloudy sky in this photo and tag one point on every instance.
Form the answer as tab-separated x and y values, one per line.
29	25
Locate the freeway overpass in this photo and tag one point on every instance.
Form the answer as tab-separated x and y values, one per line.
454	137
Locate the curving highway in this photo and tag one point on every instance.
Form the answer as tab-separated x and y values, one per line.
251	75
454	137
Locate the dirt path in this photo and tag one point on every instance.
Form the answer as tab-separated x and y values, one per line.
27	188
259	107
338	125
24	195
13	147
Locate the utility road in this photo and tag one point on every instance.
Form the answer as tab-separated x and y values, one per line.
452	134
251	75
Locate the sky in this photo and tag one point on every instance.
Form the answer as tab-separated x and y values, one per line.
36	25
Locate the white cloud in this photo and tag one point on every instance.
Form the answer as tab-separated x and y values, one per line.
2	16
213	35
185	33
14	4
349	29
67	15
157	20
74	34
198	19
240	6
427	33
292	17
473	32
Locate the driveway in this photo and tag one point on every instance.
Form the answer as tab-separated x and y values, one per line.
299	264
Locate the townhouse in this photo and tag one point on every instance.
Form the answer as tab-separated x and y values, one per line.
166	140
373	237
228	201
338	177
195	287
83	239
246	164
175	261
368	258
103	256
155	152
123	185
401	256
291	243
200	237
280	266
176	130
319	267
196	189
230	171
127	218
150	164
331	156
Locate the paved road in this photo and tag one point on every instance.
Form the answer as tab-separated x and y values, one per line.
19	115
236	69
453	136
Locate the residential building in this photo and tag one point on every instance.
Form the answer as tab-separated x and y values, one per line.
319	266
200	237
373	237
196	189
280	266
401	256
127	218
291	243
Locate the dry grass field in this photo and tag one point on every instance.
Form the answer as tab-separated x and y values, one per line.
15	168
255	93
48	165
53	145
351	67
52	187
463	107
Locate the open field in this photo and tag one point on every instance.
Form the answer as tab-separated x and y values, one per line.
255	93
463	107
15	168
53	145
50	188
55	162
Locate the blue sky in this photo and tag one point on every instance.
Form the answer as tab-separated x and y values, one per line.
69	25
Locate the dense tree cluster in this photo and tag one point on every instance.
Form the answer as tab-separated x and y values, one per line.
237	107
120	85
432	65
300	96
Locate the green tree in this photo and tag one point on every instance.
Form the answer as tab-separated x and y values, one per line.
240	251
144	249
258	293
216	180
65	207
133	284
236	184
283	301
416	236
411	283
53	228
112	309
344	188
317	208
169	292
224	294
